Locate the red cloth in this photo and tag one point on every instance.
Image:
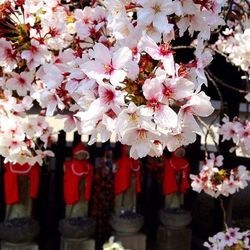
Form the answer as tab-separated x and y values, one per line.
12	171
126	167
171	167
74	171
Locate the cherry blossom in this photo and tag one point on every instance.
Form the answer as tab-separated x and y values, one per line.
162	52
234	44
7	55
155	12
197	104
35	55
21	83
232	238
108	69
141	141
108	65
237	131
112	245
215	181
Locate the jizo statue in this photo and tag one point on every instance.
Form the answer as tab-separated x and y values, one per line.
78	176
21	184
127	183
175	182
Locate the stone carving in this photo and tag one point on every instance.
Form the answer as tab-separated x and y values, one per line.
78	176
175	184
21	184
127	182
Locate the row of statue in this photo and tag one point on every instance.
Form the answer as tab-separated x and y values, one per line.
78	182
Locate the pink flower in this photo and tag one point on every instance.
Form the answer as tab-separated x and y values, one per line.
199	105
36	55
179	137
107	65
163	114
70	122
155	12
51	101
7	55
141	141
162	52
21	83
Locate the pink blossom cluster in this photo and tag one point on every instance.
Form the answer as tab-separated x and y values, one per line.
234	44
22	139
216	181
231	239
110	68
238	132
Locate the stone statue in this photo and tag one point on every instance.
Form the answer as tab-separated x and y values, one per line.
21	183
127	183
175	182
78	176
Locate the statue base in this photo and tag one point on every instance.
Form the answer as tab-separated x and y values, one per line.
127	223
77	244
174	239
132	241
19	230
77	228
175	219
5	245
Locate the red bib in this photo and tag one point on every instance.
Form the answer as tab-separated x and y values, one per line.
171	167
12	171
75	171
126	167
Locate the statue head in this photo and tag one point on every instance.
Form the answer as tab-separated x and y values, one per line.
80	152
179	152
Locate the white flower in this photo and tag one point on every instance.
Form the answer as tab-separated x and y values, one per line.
108	65
21	83
141	141
112	245
36	55
162	52
229	239
155	12
179	137
7	55
217	182
51	101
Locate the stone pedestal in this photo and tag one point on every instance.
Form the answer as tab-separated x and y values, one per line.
18	246
77	244
174	239
132	241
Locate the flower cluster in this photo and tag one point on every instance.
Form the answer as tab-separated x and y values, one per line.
22	139
215	181
234	44
231	239
238	132
110	67
112	245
